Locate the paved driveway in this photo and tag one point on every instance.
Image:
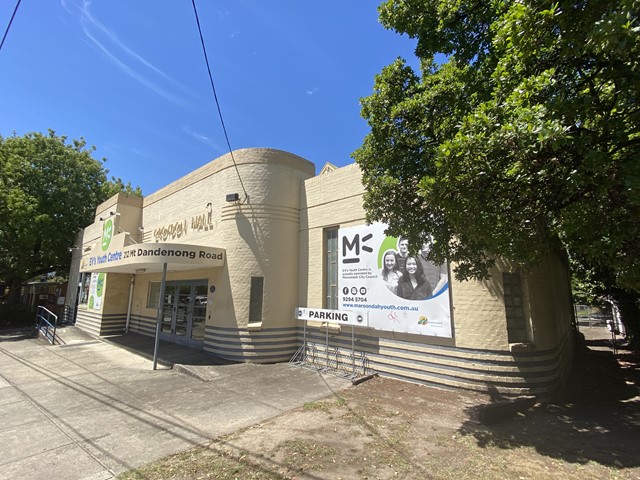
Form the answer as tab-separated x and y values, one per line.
91	409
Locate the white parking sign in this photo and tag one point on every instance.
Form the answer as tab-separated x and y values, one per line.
332	316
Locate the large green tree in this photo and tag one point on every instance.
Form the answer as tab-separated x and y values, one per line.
48	190
525	141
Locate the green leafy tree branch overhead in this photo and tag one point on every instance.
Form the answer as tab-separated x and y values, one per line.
525	141
49	188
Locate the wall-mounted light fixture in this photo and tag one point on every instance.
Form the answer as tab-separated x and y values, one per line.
232	197
111	214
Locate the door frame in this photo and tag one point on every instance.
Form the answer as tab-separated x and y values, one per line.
173	288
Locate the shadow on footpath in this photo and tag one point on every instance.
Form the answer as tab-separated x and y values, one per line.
17	334
596	417
168	353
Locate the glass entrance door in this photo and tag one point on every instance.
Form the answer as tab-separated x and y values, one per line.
198	315
183	313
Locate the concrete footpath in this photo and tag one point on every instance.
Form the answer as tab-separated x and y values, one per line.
93	408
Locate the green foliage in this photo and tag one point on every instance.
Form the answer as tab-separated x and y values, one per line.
48	190
526	141
116	185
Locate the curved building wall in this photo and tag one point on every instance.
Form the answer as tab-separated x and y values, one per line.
261	237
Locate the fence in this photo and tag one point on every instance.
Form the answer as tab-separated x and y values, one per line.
600	327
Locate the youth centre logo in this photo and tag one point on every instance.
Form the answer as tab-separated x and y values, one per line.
107	234
351	248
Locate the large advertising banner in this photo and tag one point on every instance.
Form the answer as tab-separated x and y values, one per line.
392	282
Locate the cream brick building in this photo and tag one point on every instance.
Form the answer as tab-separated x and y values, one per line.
242	255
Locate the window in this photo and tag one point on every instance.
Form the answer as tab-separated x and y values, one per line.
331	268
85	283
255	300
514	308
153	298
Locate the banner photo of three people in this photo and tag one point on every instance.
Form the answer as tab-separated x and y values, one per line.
393	282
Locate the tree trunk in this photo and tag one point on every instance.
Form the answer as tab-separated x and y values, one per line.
15	286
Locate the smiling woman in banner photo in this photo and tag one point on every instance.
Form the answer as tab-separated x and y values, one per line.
414	284
390	272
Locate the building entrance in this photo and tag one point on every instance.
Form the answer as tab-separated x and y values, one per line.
183	312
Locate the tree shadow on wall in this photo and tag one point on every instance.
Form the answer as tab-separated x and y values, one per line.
595	418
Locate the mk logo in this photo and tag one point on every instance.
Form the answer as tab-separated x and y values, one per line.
355	244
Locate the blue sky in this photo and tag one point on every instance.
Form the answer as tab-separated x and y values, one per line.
130	77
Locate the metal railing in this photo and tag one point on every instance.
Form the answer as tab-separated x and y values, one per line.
47	322
67	316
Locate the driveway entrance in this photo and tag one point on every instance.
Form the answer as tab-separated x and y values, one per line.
183	312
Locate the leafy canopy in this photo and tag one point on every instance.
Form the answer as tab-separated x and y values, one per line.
48	190
525	141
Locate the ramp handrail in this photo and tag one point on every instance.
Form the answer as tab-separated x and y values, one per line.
47	322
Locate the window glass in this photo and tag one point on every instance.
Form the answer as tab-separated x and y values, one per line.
85	283
331	268
255	301
154	295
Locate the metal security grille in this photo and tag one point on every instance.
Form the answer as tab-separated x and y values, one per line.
514	307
